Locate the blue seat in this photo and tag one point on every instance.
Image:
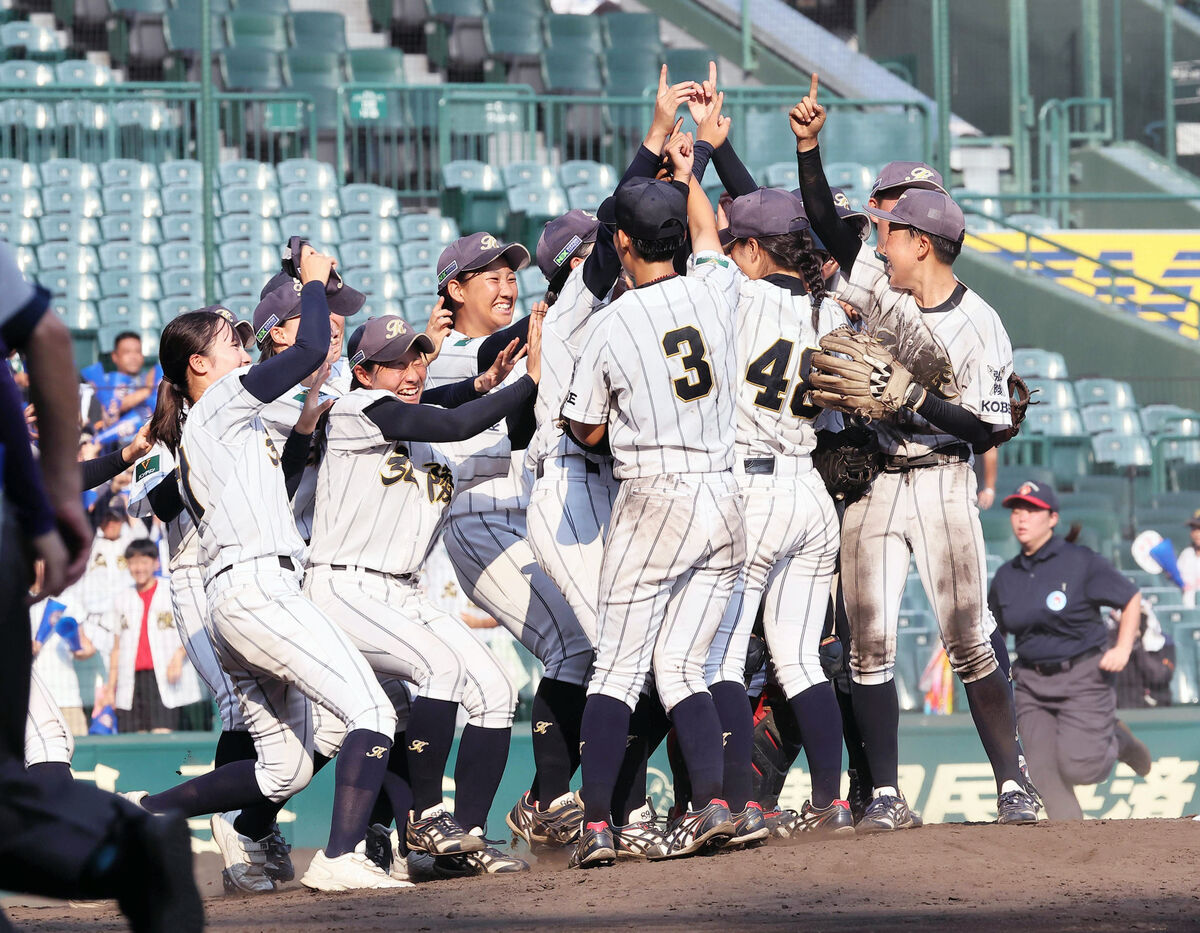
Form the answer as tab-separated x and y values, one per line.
71	257
181	255
181	172
317	230
250	227
144	230
376	256
70	228
434	227
369	199
302	199
127	283
183	283
131	256
184	226
367	227
129	172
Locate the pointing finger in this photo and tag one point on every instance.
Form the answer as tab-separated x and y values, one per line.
712	74
662	79
812	90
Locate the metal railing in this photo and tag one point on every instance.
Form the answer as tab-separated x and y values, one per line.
1060	125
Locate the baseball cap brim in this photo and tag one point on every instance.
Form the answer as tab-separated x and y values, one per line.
727	238
1017	499
395	349
515	254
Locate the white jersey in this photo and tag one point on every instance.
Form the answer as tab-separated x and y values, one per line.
106	574
964	327
774	327
182	543
125	624
659	365
231	479
563	330
490	453
380	504
1189	569
279	417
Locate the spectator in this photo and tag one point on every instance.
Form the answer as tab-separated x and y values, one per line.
1146	679
151	682
128	389
62	643
107	573
1189	562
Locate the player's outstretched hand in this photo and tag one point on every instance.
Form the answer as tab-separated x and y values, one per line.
314	408
714	128
505	360
533	343
807	118
441	322
139	446
700	101
315	267
679	151
668	101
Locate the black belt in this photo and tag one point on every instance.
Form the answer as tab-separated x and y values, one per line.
764	465
953	453
378	573
1058	667
589	465
284	562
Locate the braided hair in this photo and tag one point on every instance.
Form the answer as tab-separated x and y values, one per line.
794	252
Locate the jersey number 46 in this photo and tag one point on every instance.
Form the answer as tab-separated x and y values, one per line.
767	372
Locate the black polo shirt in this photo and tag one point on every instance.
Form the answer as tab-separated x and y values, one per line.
1050	600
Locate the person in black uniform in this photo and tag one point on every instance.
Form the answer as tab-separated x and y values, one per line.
1049	597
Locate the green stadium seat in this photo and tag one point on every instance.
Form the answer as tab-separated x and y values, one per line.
416	309
1032	362
182	283
366	227
1122	450
530	206
26	73
150	130
132	256
1099	418
317	74
23	39
528	173
71	257
781	175
181	172
81	73
249	199
281	7
320	175
28	130
241	281
376	66
1186	500
1162	596
690	64
420	281
631	71
133	313
250	227
301	199
1185	685
428	227
314	229
372	255
15	173
632	30
182	199
70	285
247	69
149	335
85	127
181	226
70	228
1101	528
1156	419
129	172
262	31
569	32
572	71
1077	501
27	260
140	202
530	282
241	305
243	254
247	172
319	31
997	532
852	177
376	284
171	307
69	172
509	35
587	197
125	283
18	230
77	315
576	172
369	199
1104	392
181	255
22	202
1055	393
760	141
416	254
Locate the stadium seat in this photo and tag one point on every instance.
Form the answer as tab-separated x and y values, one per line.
631	71
129	256
301	199
70	228
317	74
281	7
369	228
150	130
181	199
915	645
77	315
26	74
319	31
130	312
251	227
139	202
1033	363
20	230
250	70
371	255
383	285
28	129
420	281
128	172
149	336
587	197
1161	595
473	192
21	202
434	227
247	172
182	283
1102	526
70	257
1155	418
528	173
248	199
25	40
369	199
571	71
241	281
1185	501
70	285
851	177
530	282
144	230
180	172
632	30
530	206
781	175
181	226
575	172
1061	422
574	34
310	172
126	283
1122	450
1098	418
416	254
251	256
416	309
1104	392
181	256
1076	501
81	73
262	31
85	129
690	65
1054	393
69	172
322	230
376	66
513	45
14	172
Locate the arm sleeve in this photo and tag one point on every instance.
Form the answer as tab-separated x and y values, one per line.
994	606
100	470
839	237
733	174
294	458
166	500
1107	586
22	478
400	421
644	164
492	345
268	380
452	394
956	420
17	328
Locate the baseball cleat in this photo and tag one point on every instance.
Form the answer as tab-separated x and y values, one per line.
159	889
135	797
487	861
245	869
279	866
352	871
886	814
1016	806
557	825
858	796
783	824
749	827
595	847
695	829
833	820
641	836
437	833
382	846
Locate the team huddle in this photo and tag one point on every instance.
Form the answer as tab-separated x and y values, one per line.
689	482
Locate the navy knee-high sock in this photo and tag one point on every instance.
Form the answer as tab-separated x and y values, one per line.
877	712
679	774
234	746
557	714
361	765
603	735
229	787
648	726
482	755
819	719
396	799
737	731
1002	658
429	735
699	730
991	702
48	773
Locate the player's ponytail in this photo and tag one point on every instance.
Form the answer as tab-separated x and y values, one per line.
794	253
187	335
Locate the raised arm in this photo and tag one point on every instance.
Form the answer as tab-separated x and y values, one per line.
702	222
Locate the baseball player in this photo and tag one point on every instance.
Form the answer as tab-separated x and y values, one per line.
278	648
380	473
656	375
485	536
923	503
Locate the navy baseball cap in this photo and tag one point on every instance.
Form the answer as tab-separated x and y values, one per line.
908	175
469	253
244	329
561	239
1037	495
1194	521
648	209
384	340
928	211
762	213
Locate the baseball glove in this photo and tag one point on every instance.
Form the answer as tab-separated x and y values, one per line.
1019	400
856	374
847	461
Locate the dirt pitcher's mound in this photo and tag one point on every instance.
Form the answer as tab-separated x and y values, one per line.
1093	876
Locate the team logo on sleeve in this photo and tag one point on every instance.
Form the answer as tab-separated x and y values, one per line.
1056	601
999	404
997	379
146	468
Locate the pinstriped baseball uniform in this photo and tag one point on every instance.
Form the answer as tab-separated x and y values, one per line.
278	648
659	367
486	536
930	511
571	501
791	526
47	735
125	623
368	489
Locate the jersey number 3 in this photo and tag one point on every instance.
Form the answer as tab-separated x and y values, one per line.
697	380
